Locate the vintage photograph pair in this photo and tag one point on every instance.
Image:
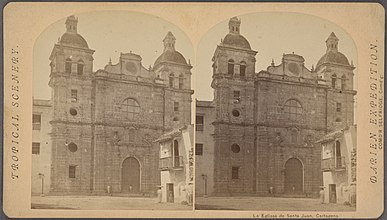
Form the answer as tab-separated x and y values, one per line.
248	110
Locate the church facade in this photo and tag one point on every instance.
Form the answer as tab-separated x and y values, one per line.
105	122
265	123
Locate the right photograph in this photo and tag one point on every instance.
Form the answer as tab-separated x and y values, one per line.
276	115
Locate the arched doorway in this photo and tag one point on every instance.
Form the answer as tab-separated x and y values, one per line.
294	177
130	178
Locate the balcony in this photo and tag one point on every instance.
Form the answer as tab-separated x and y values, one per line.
171	163
333	164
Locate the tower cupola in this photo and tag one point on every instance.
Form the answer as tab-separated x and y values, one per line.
234	25
332	43
169	42
71	24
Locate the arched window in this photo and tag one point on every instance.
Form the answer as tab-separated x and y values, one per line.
338	155
294	136
68	66
242	69
343	82
80	65
176	156
171	78
231	67
130	108
293	109
181	81
334	78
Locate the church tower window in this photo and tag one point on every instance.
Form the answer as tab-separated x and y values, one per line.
176	106
338	107
80	66
130	108
334	78
343	79
74	95
237	96
293	109
242	69
235	173
181	81
72	171
171	78
231	67
68	65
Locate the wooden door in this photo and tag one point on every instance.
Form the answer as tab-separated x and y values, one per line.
130	181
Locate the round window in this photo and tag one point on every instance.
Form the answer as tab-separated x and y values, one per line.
72	147
235	113
235	148
73	112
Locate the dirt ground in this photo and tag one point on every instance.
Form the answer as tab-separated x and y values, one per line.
103	203
267	204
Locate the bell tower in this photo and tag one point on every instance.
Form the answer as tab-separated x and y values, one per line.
335	69
173	70
71	85
233	84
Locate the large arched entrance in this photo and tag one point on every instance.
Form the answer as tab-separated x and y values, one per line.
130	177
294	177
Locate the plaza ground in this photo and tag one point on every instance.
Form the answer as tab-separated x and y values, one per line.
267	204
103	203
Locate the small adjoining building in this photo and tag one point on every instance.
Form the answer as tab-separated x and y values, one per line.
338	164
204	148
176	165
41	147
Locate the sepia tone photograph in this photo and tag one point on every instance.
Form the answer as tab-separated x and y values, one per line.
279	131
112	114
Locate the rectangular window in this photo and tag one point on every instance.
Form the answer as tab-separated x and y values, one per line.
36	121
199	149
176	106
338	107
242	71
74	95
231	69
80	69
72	170
237	96
67	67
235	173
36	148
199	122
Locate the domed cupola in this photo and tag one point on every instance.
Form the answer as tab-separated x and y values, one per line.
71	37
170	55
234	38
333	56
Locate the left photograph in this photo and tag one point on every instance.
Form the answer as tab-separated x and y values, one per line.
112	124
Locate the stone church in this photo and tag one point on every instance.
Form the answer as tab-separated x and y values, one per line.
105	122
265	123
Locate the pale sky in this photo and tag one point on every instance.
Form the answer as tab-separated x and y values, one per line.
109	33
272	34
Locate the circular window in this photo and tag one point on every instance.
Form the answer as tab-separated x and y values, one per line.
235	113
72	147
235	148
73	112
